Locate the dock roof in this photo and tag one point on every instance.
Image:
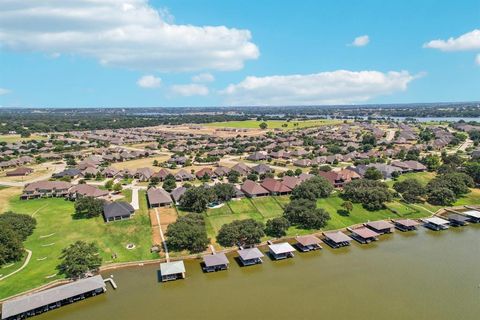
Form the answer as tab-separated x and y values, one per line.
251	253
365	232
36	300
436	221
457	217
307	240
337	236
279	248
407	222
472	213
380	225
216	259
170	268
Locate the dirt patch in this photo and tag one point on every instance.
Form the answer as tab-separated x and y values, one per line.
167	216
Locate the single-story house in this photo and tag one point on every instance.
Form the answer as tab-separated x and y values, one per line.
157	197
253	189
117	211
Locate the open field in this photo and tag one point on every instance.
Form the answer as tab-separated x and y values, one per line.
39	170
13	138
57	228
422	177
141	163
273	124
6	194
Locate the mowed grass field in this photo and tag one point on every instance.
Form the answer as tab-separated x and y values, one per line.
12	138
273	124
141	163
57	228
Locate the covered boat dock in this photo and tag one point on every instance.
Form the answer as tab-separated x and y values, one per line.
281	251
436	223
337	239
406	225
250	256
364	235
170	271
308	243
473	215
43	301
457	220
215	262
380	227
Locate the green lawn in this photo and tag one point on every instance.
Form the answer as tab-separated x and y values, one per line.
422	177
14	138
268	207
273	124
56	229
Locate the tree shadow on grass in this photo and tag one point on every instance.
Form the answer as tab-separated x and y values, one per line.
343	213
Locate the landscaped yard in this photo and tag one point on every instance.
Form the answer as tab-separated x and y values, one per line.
56	229
422	177
273	124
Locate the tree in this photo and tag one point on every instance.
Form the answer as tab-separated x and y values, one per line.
431	161
411	190
263	125
154	181
459	183
304	214
22	224
196	199
252	176
169	183
347	206
233	176
473	170
224	191
277	227
109	185
79	258
117	187
298	172
373	173
88	207
369	139
372	194
241	233
312	189
11	248
188	233
441	196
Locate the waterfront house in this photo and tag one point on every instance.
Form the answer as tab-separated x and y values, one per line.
170	271
86	190
364	235
215	262
43	301
279	251
337	239
253	189
308	243
406	224
473	215
457	220
436	223
250	256
157	197
275	187
381	226
177	193
117	211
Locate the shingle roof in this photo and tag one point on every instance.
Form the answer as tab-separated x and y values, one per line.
215	259
116	209
170	268
251	253
158	196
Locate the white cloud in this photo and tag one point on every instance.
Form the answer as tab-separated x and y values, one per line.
4	91
467	41
128	33
361	41
188	90
477	59
203	77
336	87
149	81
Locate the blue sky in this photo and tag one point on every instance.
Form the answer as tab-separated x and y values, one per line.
159	53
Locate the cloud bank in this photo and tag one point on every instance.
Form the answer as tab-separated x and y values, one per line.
129	33
467	41
149	81
336	87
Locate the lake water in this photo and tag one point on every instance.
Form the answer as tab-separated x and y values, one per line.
417	275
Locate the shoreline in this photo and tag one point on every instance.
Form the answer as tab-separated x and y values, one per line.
141	263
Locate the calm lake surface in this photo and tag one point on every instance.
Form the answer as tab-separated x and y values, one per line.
417	275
